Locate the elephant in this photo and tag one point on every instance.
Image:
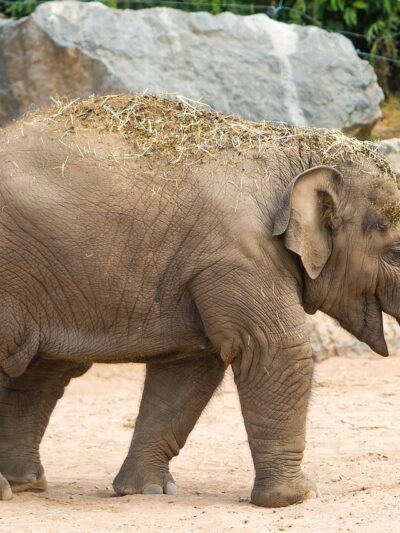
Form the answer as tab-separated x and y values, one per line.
151	229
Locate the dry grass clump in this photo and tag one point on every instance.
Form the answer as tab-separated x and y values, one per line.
391	212
176	128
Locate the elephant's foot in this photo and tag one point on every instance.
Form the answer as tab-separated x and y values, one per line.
20	472
132	480
35	485
8	488
284	492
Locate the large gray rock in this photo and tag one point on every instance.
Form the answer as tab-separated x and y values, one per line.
391	148
251	66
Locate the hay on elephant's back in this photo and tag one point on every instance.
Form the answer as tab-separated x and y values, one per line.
177	128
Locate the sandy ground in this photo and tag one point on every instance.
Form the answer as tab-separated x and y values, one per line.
353	453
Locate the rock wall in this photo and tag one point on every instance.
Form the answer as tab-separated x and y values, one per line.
252	66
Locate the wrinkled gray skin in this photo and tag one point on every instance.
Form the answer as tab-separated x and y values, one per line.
103	263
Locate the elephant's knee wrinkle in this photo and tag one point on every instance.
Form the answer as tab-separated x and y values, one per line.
173	443
14	362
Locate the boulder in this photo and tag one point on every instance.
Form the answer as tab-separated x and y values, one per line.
251	66
391	148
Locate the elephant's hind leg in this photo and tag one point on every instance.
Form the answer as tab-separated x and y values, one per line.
26	404
174	396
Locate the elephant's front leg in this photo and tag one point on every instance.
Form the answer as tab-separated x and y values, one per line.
174	396
26	404
274	387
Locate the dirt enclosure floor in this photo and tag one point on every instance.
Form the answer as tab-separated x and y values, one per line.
353	453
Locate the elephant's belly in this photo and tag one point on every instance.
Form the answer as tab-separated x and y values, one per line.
156	344
166	355
153	344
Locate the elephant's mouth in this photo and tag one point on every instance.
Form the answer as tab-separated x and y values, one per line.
4	379
363	319
371	331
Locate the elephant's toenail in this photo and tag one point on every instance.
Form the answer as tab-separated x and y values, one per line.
5	489
171	488
153	489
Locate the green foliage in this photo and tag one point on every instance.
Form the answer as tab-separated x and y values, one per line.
376	21
373	25
18	9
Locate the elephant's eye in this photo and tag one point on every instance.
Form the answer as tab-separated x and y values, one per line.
392	255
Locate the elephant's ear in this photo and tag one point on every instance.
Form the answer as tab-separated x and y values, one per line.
307	215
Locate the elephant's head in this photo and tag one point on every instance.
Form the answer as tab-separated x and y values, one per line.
345	227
